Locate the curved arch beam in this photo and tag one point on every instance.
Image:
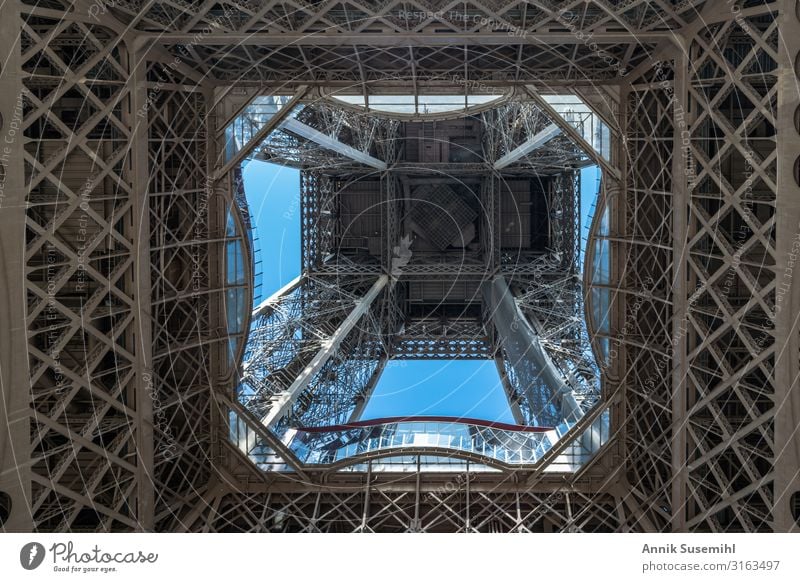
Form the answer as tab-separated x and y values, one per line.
425	451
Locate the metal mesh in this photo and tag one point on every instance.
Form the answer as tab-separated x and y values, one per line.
439	214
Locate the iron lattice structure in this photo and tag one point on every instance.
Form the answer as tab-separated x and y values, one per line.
126	405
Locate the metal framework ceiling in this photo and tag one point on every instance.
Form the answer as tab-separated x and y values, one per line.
384	277
119	212
351	42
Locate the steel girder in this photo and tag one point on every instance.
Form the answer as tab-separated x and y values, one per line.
91	417
386	43
700	366
454	506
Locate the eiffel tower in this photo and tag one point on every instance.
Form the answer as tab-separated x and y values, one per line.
649	356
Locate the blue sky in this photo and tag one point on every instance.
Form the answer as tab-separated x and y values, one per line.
273	193
408	387
449	388
590	177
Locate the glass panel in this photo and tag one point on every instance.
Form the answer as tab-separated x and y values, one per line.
441	103
234	263
601	300
423	104
351	99
230	225
604	229
476	100
604	343
393	108
375	100
235	309
602	262
439	107
392	103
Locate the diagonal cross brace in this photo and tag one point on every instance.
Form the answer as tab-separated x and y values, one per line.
286	398
306	131
261	135
528	146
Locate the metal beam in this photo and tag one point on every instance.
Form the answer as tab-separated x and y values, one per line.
274	442
525	353
573	133
270	302
15	380
287	398
329	143
262	133
680	258
407	39
141	283
355	416
787	373
529	146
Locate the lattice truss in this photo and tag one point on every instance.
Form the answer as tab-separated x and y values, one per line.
648	277
454	507
119	217
700	271
186	230
553	296
129	356
732	284
281	383
287	335
445	340
365	133
547	286
511	125
82	314
329	42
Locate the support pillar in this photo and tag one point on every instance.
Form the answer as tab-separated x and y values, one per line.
329	347
680	258
523	348
141	285
787	243
15	385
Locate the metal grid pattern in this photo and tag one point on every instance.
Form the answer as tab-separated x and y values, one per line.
431	507
342	43
87	368
733	293
439	214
